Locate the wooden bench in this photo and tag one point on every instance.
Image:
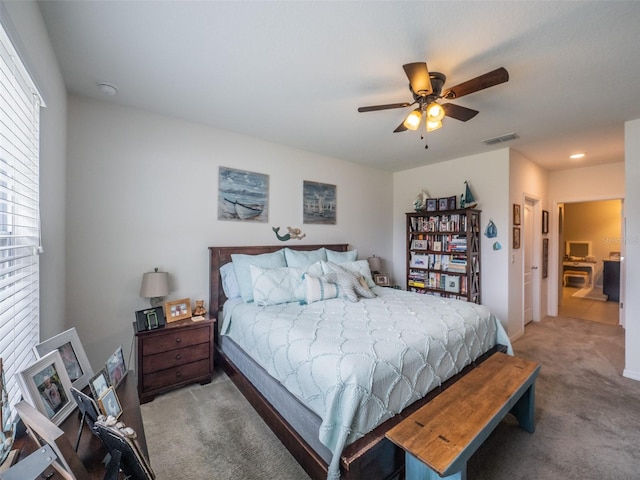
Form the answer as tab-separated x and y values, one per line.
440	437
584	276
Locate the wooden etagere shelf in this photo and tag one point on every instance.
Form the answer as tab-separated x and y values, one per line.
443	253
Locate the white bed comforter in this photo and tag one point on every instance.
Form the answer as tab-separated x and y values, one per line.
358	364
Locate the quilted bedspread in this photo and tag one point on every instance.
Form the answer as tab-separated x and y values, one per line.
356	364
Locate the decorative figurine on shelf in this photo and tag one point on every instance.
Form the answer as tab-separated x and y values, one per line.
420	202
467	200
199	310
294	234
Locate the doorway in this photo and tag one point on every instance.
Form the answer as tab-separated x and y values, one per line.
590	236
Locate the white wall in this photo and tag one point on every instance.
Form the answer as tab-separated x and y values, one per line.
632	257
488	176
526	179
26	28
142	192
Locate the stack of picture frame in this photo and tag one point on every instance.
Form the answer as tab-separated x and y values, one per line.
62	364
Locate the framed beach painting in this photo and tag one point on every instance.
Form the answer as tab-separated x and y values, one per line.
242	195
319	203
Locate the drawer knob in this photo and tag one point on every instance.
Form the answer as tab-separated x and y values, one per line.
178	340
178	374
178	357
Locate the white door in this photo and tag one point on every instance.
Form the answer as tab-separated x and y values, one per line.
529	264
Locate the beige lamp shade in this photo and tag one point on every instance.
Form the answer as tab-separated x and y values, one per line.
155	285
375	264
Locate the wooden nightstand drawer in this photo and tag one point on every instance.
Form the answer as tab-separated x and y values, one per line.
155	344
174	358
176	375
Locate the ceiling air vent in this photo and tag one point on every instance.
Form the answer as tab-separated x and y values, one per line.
501	139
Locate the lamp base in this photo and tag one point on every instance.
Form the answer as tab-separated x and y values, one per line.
156	301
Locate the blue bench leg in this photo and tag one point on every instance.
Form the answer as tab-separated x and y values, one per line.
524	409
416	470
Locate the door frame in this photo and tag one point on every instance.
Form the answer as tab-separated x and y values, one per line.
536	274
553	285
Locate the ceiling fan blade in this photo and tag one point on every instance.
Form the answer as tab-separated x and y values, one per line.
383	107
459	113
495	77
418	76
401	128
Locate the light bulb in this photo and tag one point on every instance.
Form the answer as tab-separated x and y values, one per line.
412	122
435	112
431	126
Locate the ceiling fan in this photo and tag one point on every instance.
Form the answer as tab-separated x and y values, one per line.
426	88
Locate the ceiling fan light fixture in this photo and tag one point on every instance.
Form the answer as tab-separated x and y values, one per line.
435	112
412	122
431	126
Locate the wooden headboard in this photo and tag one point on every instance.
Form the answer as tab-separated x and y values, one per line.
218	256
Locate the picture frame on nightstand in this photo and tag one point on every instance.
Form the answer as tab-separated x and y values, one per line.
177	309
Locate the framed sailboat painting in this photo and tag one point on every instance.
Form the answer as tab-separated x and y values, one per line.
243	195
320	202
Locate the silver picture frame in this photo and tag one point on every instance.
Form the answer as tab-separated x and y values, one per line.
73	356
46	386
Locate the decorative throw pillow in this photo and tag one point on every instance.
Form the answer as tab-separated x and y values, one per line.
318	288
229	281
272	286
341	257
359	267
302	259
241	263
351	285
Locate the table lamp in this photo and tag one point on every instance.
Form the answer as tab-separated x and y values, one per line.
155	286
375	264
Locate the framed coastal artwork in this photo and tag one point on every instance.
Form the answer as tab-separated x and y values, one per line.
243	196
319	203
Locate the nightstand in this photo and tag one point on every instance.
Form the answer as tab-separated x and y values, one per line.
174	356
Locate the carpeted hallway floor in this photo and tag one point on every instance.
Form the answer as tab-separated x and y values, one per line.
587	414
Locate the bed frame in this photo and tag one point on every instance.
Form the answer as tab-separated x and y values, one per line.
371	457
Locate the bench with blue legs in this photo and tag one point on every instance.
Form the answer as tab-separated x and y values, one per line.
440	437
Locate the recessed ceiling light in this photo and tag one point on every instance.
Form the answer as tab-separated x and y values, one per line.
107	88
576	156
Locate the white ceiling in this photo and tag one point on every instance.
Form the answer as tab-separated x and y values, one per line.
294	73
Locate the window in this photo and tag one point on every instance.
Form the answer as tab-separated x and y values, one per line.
20	105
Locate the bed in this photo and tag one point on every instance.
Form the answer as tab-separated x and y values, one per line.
298	362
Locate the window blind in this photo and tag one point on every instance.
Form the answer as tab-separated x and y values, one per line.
20	105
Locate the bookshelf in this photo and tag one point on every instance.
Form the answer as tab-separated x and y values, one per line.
443	253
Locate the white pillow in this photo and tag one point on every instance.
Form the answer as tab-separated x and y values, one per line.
272	286
229	281
341	257
318	288
241	263
302	258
